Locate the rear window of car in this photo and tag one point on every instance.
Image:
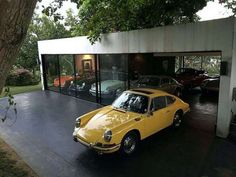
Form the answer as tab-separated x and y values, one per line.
158	103
170	100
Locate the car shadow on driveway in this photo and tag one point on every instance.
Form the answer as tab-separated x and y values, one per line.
169	153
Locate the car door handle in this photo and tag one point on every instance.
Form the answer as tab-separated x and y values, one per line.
168	111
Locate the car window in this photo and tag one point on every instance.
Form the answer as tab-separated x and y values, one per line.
172	81
170	100
132	102
165	81
150	81
158	103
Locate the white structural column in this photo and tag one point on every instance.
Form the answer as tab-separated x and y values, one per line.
233	71
226	107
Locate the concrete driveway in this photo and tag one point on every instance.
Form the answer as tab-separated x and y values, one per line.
42	136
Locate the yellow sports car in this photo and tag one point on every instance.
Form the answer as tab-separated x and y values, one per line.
134	115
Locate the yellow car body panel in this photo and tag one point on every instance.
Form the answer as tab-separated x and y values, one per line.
120	122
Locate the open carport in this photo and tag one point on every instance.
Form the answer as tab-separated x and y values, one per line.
106	64
42	136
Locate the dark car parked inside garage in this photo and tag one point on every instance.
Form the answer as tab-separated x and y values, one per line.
190	77
164	83
210	85
81	85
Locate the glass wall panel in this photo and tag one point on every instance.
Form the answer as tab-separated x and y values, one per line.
67	74
51	72
113	77
85	78
145	69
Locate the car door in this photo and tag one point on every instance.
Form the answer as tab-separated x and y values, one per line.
170	110
165	84
157	117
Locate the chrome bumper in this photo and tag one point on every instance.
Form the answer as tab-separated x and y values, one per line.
97	148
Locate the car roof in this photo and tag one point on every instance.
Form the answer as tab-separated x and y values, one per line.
148	92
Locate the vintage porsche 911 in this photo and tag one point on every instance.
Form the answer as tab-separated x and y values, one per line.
134	115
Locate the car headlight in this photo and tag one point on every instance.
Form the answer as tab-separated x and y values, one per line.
77	122
107	135
93	86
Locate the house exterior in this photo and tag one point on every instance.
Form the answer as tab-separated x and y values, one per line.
100	72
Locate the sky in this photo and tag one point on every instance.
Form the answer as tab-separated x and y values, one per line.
213	10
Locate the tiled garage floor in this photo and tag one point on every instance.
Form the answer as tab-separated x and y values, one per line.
42	136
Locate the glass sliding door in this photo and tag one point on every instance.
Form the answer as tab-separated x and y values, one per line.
51	72
113	77
85	69
67	73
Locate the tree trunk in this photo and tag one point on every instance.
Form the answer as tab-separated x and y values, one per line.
15	16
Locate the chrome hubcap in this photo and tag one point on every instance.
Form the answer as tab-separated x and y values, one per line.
129	145
177	120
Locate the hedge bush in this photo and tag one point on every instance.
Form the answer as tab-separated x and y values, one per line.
21	77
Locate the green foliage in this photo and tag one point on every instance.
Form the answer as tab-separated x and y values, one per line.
22	89
21	77
41	28
230	4
6	109
72	22
103	16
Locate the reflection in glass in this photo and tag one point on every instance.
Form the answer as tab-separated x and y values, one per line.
113	77
66	72
52	72
85	77
131	102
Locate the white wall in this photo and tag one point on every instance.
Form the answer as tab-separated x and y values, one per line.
207	36
202	36
233	71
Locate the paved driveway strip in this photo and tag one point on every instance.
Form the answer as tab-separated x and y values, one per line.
42	136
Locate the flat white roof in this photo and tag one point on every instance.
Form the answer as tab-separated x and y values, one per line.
215	35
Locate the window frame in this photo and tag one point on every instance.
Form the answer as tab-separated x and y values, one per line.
170	103
152	100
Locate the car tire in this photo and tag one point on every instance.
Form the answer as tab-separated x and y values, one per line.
178	118
129	144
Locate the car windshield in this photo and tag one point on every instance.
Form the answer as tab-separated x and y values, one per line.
131	102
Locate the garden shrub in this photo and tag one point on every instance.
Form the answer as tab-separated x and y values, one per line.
21	77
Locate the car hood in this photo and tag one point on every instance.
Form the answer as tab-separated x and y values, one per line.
111	84
106	119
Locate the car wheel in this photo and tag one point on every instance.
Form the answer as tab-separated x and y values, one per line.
178	92
129	143
177	119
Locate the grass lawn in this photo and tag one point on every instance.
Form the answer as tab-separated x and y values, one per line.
11	164
22	89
